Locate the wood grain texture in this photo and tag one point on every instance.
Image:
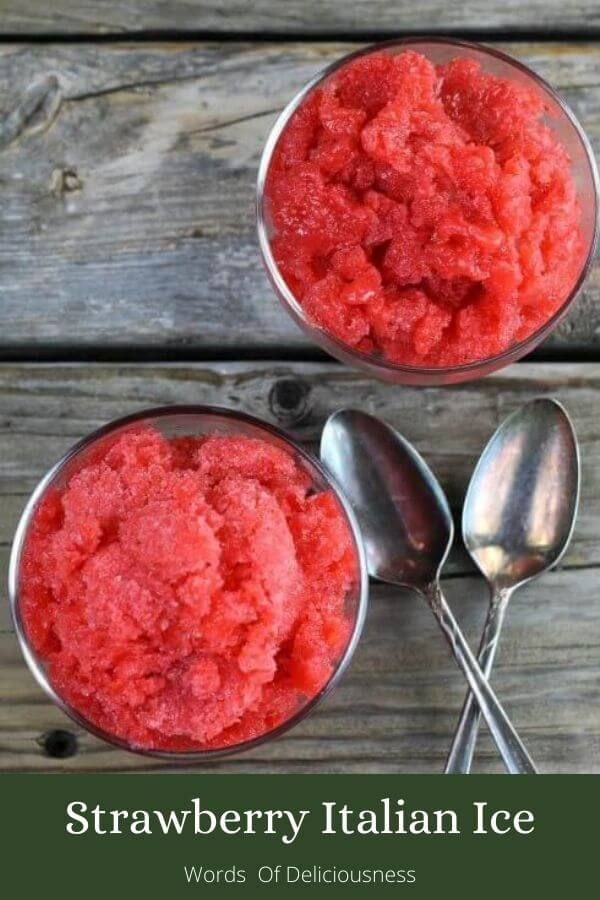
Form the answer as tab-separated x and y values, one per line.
395	709
293	16
127	175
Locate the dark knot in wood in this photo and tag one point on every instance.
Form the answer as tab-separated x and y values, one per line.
59	743
289	400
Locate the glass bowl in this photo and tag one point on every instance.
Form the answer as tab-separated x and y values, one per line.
558	117
181	421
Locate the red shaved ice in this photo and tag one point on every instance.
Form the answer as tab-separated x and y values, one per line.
188	593
425	214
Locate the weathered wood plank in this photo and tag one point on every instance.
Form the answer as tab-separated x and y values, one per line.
294	16
396	708
127	177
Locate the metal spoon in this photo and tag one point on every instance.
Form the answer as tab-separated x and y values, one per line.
407	530
518	518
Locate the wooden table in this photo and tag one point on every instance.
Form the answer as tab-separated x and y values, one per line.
130	134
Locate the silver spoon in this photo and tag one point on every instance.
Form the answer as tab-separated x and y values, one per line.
518	518
407	531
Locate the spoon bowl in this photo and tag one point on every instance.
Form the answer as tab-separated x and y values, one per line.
404	516
520	507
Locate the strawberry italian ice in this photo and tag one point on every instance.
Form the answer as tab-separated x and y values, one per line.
188	593
425	214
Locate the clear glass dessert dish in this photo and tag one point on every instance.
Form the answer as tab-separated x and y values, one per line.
181	422
557	117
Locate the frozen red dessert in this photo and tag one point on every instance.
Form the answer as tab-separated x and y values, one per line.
188	593
425	214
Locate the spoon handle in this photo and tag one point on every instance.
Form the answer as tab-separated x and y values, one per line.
460	758
512	750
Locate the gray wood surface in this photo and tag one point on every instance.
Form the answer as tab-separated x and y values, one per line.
127	177
293	16
395	710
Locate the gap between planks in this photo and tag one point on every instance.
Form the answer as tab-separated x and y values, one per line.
574	34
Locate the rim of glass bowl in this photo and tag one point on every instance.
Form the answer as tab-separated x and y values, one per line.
311	463
376	364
